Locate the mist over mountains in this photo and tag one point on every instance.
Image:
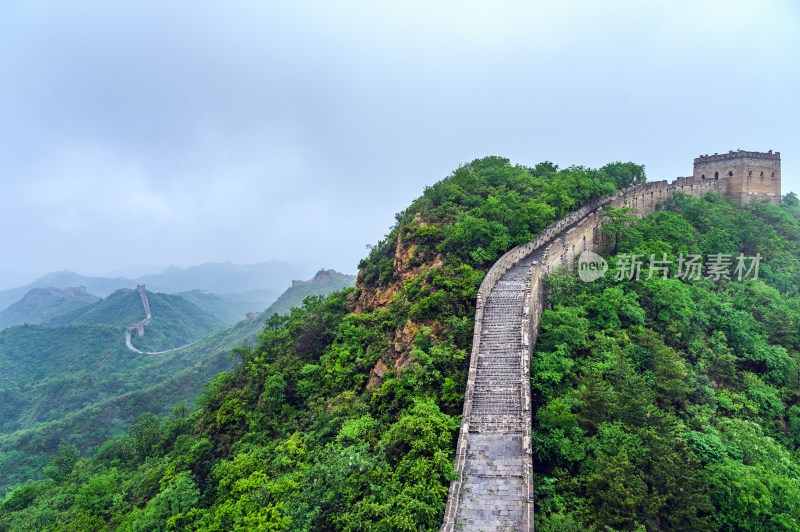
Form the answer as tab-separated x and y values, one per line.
261	282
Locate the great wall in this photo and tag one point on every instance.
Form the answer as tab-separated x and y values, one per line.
139	327
493	489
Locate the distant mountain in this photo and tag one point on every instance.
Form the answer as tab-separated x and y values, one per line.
98	286
41	304
226	277
175	322
230	308
323	283
221	278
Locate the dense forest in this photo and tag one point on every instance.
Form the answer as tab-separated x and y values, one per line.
660	404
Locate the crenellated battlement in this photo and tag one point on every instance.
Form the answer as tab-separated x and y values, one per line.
738	154
750	174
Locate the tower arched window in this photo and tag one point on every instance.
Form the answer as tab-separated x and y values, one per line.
703	176
749	173
716	175
730	173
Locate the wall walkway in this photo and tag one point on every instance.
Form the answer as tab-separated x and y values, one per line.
494	485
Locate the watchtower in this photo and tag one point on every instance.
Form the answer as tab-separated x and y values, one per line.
750	174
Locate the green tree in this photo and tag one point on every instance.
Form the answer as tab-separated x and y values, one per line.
617	224
625	174
63	463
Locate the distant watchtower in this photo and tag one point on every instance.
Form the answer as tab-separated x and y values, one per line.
750	174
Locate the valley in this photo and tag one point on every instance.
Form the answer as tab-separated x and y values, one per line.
79	376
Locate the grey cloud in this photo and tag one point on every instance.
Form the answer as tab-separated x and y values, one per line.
185	132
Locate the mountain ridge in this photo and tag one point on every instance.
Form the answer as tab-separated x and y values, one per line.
223	278
41	304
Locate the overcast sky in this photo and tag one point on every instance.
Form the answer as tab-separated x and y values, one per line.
182	132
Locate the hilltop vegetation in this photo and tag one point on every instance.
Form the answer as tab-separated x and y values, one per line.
487	207
344	416
323	283
41	304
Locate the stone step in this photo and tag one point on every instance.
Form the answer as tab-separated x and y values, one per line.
503	381
492	495
496	408
501	399
499	378
492	404
497	333
502	424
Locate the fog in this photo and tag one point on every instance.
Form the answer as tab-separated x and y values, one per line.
158	133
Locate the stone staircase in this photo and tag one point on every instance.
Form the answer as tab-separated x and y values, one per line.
494	486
